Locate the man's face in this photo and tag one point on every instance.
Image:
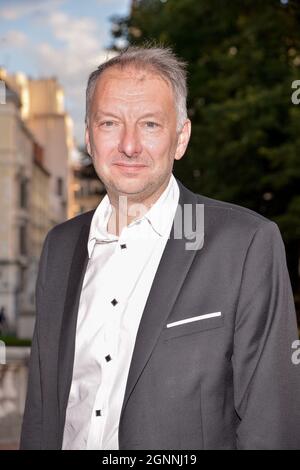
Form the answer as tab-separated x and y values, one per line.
131	133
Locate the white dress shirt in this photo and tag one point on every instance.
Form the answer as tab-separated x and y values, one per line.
115	289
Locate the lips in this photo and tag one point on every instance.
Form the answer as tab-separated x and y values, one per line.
130	165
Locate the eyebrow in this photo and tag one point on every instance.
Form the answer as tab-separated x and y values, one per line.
152	114
102	113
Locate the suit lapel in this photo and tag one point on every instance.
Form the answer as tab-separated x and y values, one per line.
69	321
164	291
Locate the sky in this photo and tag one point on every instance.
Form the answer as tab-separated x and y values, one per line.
62	38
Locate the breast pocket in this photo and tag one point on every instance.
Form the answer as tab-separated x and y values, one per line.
194	324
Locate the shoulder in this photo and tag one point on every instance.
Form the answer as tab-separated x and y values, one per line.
238	222
228	219
233	211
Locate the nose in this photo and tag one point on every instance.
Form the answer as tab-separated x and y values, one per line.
129	143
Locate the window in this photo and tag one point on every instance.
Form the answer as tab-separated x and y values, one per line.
23	194
23	240
60	186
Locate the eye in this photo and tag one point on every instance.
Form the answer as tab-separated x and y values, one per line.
151	124
107	124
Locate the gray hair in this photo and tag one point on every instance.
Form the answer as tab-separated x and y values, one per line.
160	60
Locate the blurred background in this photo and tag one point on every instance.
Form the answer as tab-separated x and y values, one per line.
244	102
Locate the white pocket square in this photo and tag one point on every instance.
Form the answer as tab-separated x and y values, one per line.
192	319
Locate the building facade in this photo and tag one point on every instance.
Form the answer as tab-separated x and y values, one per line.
35	145
44	114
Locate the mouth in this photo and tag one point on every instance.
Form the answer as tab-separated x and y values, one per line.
130	167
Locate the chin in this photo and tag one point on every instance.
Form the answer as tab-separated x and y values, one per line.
130	188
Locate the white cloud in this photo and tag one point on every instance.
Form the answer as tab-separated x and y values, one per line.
80	52
18	8
115	4
69	29
15	38
77	49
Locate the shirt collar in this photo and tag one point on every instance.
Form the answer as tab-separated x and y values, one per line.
163	210
98	229
159	216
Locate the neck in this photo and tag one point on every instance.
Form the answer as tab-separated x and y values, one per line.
125	209
123	213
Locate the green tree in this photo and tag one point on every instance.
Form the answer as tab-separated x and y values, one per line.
242	59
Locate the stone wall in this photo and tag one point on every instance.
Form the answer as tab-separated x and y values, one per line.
13	386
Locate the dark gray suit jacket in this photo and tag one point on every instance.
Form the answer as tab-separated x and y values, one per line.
220	383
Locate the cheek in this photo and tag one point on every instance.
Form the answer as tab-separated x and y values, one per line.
103	147
159	148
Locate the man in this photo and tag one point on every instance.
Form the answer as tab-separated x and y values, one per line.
145	339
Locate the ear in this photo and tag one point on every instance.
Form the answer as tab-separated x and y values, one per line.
183	140
87	140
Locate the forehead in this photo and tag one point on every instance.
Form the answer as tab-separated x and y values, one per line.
132	84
